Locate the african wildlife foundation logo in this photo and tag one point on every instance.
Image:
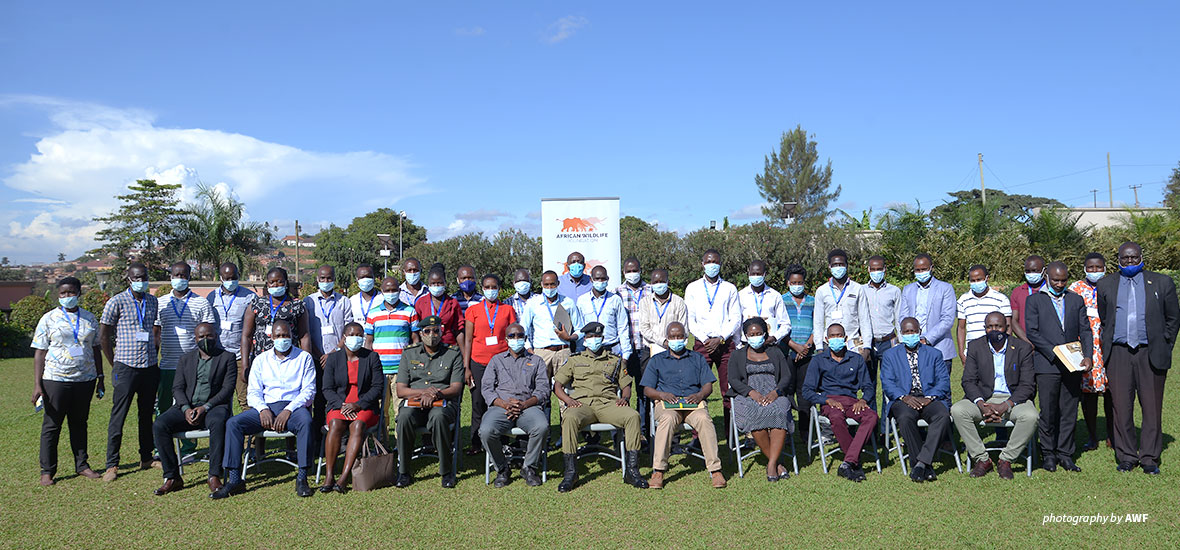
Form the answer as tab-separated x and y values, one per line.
580	228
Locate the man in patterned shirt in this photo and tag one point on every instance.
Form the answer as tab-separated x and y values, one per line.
631	291
176	322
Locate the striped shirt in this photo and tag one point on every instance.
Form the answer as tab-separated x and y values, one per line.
801	317
631	299
974	310
391	330
178	319
57	332
130	317
518	303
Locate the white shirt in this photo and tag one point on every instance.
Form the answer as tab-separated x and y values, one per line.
975	309
850	308
713	310
274	379
361	307
769	306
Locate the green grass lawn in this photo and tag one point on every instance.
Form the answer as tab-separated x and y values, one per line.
810	509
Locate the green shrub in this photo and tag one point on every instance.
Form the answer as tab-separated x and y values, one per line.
14	342
28	311
94	301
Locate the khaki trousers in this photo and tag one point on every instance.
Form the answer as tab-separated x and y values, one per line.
967	416
668	421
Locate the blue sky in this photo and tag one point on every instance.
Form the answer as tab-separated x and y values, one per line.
466	114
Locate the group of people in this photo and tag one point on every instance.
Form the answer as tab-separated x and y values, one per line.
329	368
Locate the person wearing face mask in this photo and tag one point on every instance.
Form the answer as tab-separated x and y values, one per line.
631	292
603	306
917	386
392	327
414	287
258	324
352	388
758	299
1140	317
801	344
974	305
658	308
1034	281
932	302
998	386
67	367
842	300
681	375
833	380
177	318
516	386
129	317
1094	381
437	302
593	386
330	312
760	383
230	301
279	394
884	300
714	320
1053	318
202	393
522	285
575	282
549	323
369	295
485	325
468	289
430	381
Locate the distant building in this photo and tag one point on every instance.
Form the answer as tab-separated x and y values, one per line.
11	292
303	242
1105	216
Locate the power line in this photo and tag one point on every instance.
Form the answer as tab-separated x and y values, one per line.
1061	176
993	173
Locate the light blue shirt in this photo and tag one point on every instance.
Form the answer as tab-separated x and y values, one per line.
538	320
610	311
922	304
574	289
332	312
1001	386
229	310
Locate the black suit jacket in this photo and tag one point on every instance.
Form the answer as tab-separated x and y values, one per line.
1162	316
370	379
223	376
1045	331
979	379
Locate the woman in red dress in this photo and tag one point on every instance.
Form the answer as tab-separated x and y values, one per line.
352	386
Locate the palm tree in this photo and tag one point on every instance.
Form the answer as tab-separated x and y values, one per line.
212	231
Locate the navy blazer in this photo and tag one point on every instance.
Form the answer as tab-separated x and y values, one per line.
896	379
1046	332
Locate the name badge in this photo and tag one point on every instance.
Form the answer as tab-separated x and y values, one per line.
838	315
181	331
227	324
268	330
1091	312
76	351
490	341
143	336
326	329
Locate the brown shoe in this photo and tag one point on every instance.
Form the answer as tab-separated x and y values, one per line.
718	480
46	480
91	474
1004	468
656	481
982	467
170	486
110	474
214	483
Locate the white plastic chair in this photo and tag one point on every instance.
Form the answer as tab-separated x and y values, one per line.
487	457
597	449
421	451
692	449
739	445
814	441
280	456
191	434
999	444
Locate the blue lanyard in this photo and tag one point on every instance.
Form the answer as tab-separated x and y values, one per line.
832	287
440	303
1032	290
179	314
715	289
598	313
221	298
758	300
550	308
77	324
660	312
139	313
274	308
491	316
327	314
369	306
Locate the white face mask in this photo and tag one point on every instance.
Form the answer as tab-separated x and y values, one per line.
632	277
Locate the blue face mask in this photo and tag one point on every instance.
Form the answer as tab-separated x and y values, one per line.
594	344
390	297
277	291
282	344
68	302
838	271
516	344
1095	276
326	286
491	294
179	284
677	345
1131	270
139	286
549	292
599	285
1054	291
877	276
756	342
712	270
353	343
576	269
837	344
413	277
796	290
366	284
979	287
523	287
467	286
922	276
757	280
911	340
1034	278
437	290
659	288
230	285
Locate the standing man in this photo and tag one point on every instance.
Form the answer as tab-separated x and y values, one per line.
330	311
932	303
367	298
392	327
605	307
445	307
631	292
431	382
801	310
468	290
1034	281
230	302
549	337
130	317
758	299
1054	318
843	301
522	283
413	288
974	305
1140	317
884	302
176	322
576	282
714	319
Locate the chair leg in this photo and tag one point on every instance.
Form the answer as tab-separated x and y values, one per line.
819	441
897	444
180	459
955	447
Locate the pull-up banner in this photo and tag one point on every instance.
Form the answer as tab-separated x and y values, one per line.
589	226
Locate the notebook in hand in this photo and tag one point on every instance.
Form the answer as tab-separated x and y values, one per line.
418	404
682	404
1070	355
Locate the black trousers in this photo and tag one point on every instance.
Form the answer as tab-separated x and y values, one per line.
800	365
126	383
1130	373
636	365
173	421
1059	395
478	404
936	416
65	401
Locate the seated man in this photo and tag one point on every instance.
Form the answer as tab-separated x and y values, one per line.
998	385
832	382
680	375
600	390
430	379
279	393
204	383
516	386
915	380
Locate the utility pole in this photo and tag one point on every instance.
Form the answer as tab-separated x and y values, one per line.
1095	192
297	252
982	188
1109	180
1135	188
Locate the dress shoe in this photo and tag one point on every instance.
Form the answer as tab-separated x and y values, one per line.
930	475
326	488
113	472
718	480
1123	467
170	485
981	468
656	481
229	489
1090	446
859	472
530	477
448	481
302	489
403	481
339	488
1049	464
214	483
501	479
90	474
1068	465
1004	468
918	473
847	470
1151	470
149	464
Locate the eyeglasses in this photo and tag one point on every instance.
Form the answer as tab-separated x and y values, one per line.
431	331
516	335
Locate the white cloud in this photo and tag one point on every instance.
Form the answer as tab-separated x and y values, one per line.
748	212
564	28
482	214
470	31
533	215
94	151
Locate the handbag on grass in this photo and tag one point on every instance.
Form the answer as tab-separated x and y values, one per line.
375	469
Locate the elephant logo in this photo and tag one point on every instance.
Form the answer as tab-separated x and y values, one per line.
579	224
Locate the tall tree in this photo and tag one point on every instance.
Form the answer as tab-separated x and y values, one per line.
1172	192
141	225
794	174
1017	208
346	247
212	229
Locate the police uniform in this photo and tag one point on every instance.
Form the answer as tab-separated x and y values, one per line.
594	381
420	370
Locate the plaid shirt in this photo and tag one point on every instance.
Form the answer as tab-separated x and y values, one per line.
631	299
130	316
